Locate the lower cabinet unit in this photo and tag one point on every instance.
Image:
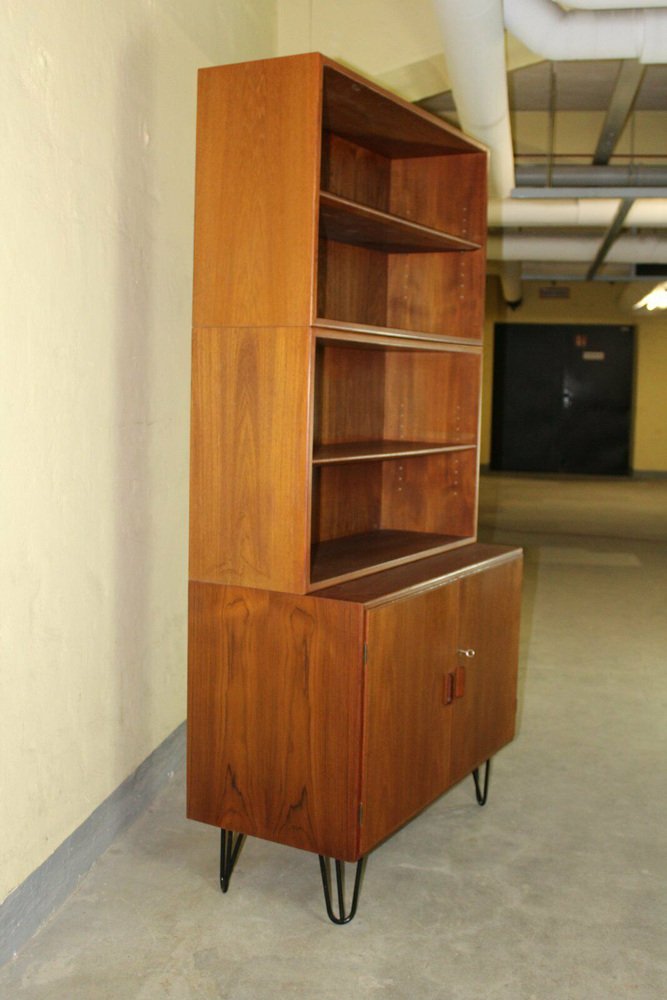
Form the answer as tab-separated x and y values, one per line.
327	721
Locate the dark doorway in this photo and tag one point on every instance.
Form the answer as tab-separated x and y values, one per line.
562	398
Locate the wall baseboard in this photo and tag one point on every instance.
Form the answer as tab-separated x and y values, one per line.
649	474
633	474
31	904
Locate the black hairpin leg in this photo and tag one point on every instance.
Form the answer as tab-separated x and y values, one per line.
325	869
479	793
229	852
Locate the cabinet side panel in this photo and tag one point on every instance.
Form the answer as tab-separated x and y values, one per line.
258	148
433	493
352	283
407	724
441	294
484	717
347	500
445	192
349	394
274	717
249	460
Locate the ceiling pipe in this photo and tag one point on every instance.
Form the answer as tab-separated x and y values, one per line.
628	248
577	175
612	4
553	33
510	282
479	84
537	213
575	212
474	47
647	213
473	44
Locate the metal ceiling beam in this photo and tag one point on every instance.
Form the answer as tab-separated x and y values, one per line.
587	175
589	192
569	278
623	97
610	237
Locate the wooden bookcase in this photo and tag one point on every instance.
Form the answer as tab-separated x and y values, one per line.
336	366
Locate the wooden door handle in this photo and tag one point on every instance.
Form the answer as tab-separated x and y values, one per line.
450	684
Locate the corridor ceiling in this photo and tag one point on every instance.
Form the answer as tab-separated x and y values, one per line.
579	179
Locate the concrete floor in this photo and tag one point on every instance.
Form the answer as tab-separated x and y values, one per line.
554	891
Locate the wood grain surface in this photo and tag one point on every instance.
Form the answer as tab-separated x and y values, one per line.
257	187
406	722
250	457
484	718
274	716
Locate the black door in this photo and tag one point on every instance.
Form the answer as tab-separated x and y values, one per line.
562	398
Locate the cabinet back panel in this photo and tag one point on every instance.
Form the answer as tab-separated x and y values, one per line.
430	493
352	172
349	394
347	500
352	283
366	393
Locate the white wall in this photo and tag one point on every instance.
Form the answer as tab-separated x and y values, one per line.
96	198
397	43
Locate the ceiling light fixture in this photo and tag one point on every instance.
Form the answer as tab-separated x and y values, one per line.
656	298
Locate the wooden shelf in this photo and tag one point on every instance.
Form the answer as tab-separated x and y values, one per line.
392	336
357	555
356	325
347	221
369	451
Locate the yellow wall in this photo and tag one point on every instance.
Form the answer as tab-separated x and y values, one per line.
95	292
596	303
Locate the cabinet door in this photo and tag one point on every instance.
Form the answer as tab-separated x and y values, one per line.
274	716
485	707
407	720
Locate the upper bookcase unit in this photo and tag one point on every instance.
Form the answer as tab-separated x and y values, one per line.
344	208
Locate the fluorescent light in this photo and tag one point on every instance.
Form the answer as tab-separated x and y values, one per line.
656	298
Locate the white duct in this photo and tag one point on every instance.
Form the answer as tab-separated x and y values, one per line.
533	212
647	212
611	4
555	34
473	43
510	281
538	213
628	249
474	48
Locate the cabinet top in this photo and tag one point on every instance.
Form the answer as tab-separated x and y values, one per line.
424	574
365	113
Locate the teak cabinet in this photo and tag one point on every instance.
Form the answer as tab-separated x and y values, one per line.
352	649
